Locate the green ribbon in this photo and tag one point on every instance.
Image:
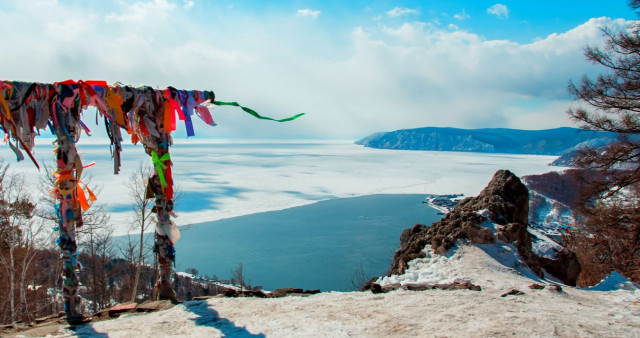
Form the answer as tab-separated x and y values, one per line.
252	112
160	166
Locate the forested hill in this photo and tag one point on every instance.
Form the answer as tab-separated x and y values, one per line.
492	140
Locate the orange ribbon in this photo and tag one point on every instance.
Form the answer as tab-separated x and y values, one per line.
67	176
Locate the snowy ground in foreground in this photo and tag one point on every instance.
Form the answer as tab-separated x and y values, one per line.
575	312
222	180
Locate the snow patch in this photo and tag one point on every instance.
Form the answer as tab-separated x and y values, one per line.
488	223
462	263
542	245
432	269
549	215
506	259
615	281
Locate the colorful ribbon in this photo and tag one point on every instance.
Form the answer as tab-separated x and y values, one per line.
160	166
252	112
82	198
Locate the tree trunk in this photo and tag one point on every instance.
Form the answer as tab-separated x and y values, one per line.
135	284
12	284
23	282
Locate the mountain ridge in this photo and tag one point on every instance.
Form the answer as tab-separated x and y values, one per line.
488	140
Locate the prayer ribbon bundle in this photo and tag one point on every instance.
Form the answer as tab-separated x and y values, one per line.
28	107
148	115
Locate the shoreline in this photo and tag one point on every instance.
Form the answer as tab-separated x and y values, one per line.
443	203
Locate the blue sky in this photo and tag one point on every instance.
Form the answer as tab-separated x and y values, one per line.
523	22
355	67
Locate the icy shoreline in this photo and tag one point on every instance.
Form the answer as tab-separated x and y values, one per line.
443	203
572	312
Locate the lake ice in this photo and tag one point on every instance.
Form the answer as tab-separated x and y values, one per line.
223	180
227	179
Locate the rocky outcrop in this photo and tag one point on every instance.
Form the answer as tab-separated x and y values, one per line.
565	266
500	211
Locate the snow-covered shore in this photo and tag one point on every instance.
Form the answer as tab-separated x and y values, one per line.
570	313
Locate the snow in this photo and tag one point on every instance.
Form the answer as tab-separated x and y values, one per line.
615	281
222	180
551	215
542	245
452	266
432	269
573	312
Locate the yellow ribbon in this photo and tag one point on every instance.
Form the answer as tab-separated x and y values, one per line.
6	107
114	102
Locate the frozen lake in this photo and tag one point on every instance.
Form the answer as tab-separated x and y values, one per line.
234	193
224	179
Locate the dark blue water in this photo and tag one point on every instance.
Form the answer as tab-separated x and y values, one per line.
318	246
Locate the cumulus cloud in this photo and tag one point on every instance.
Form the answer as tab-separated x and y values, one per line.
379	77
308	12
400	11
499	10
462	16
142	11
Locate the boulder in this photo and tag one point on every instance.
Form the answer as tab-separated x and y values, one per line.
157	305
513	292
115	311
565	266
277	293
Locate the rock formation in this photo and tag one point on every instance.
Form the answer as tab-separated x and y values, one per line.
505	204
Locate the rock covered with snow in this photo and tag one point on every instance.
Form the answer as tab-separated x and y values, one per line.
498	214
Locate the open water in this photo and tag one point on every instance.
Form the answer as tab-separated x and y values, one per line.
317	246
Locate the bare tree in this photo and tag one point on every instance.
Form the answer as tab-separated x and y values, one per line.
94	235
142	205
237	277
94	218
102	292
18	231
359	278
143	208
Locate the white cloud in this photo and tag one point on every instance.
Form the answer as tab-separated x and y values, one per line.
462	16
400	11
375	78
187	4
499	10
142	11
453	27
308	12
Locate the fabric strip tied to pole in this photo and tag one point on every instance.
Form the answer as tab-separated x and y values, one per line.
252	112
148	115
160	166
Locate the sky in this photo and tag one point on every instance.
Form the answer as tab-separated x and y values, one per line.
354	67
